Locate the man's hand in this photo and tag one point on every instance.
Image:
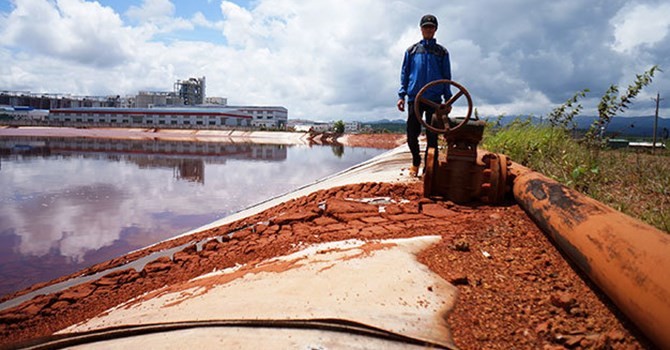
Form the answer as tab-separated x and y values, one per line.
401	104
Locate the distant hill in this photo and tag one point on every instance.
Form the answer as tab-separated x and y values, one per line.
629	126
386	121
619	126
386	125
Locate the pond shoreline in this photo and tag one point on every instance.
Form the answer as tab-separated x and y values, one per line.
382	141
265	137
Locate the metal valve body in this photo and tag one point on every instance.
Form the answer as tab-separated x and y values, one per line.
463	174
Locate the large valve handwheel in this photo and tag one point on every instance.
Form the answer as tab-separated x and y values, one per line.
442	109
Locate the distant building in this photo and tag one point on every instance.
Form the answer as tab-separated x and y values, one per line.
352	127
216	101
149	99
23	113
191	91
154	116
303	127
646	145
306	125
322	126
51	101
268	117
135	109
623	143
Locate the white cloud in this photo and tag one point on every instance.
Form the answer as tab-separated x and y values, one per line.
151	10
330	59
157	17
238	24
640	24
200	20
74	30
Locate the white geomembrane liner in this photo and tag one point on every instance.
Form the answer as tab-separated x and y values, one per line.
377	283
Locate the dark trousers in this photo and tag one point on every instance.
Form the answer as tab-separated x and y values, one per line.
414	130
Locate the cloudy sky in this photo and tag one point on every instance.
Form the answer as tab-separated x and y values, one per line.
334	59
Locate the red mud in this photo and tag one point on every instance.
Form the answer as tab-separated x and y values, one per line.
384	141
516	290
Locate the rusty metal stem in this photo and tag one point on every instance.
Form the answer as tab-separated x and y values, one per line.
628	259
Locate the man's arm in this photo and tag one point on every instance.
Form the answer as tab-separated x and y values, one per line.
404	81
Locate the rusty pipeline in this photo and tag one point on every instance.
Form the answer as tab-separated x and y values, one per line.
628	259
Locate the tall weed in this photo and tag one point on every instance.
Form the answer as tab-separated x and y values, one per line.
551	151
634	183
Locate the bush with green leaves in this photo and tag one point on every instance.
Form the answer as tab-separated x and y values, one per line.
338	127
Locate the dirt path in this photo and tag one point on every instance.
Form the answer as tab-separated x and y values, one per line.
516	290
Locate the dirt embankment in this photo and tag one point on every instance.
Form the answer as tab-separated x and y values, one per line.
384	141
516	290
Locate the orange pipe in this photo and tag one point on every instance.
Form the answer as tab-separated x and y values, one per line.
628	259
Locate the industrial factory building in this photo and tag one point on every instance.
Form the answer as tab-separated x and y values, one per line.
153	116
22	113
265	117
185	106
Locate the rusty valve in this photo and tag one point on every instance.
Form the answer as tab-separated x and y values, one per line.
463	174
440	119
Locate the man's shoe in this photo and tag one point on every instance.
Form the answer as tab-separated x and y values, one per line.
413	171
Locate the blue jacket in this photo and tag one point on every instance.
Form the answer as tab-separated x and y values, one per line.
424	62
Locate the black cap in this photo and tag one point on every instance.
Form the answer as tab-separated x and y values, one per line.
428	20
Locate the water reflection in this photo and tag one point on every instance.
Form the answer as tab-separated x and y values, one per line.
338	150
186	158
69	203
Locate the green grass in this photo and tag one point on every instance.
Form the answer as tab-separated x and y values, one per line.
632	182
